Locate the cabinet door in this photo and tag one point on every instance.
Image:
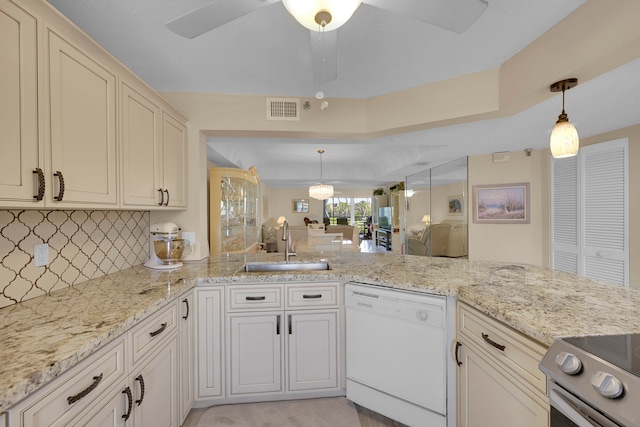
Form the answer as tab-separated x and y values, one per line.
141	150
209	342
489	397
18	104
313	350
81	131
187	374
174	164
155	385
255	353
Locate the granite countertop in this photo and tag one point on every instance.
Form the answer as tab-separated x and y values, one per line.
45	336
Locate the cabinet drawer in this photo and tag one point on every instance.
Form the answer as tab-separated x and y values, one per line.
255	297
67	396
521	355
146	336
312	295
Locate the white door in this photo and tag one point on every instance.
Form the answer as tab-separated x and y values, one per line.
313	350
590	219
256	348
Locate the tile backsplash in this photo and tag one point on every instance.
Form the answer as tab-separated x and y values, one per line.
82	245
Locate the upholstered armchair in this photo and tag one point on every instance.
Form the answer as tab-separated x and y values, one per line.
433	241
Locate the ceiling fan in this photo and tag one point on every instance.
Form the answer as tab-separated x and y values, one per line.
323	17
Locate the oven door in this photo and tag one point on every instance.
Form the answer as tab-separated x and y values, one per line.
569	411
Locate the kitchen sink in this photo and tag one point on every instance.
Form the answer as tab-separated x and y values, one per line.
261	267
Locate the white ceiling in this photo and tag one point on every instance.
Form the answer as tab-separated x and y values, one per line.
267	53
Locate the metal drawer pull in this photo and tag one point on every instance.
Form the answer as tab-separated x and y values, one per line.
141	380
40	178
260	298
159	331
83	393
127	391
161	197
278	325
458	345
60	195
186	316
315	296
493	343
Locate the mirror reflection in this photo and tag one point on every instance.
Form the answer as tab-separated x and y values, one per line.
436	217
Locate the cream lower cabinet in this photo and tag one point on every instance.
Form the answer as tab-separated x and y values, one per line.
283	341
187	355
209	312
499	383
132	381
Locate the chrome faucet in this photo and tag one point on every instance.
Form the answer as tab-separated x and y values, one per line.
286	237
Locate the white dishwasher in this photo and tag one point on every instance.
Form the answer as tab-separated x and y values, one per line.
397	354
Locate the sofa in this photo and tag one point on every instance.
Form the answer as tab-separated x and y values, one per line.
446	239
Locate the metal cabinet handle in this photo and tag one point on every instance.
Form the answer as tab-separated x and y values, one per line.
278	325
60	195
140	379
186	316
161	197
493	343
127	391
290	325
315	296
167	202
260	298
41	185
458	345
159	331
83	393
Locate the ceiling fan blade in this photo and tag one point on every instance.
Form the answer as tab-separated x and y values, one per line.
213	15
324	55
453	15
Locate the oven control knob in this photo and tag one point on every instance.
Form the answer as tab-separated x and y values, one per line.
569	363
607	385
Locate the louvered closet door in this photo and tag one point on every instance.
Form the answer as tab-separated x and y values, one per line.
565	203
605	237
590	225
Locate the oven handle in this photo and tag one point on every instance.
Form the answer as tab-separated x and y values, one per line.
566	403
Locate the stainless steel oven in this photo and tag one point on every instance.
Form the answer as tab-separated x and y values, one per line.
594	381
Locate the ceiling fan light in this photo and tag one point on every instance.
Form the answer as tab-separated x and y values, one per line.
564	141
321	191
305	11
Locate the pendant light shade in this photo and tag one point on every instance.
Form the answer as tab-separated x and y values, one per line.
564	141
321	191
326	14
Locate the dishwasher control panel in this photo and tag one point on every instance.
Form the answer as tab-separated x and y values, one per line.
409	306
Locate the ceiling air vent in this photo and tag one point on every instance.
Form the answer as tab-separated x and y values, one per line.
283	109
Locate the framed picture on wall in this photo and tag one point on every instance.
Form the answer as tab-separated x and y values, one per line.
455	205
300	205
501	204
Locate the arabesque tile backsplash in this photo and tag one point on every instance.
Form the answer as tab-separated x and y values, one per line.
82	245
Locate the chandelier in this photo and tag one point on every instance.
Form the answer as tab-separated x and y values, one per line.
327	15
564	141
321	191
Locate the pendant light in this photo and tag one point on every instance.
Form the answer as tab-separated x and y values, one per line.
328	14
564	141
321	191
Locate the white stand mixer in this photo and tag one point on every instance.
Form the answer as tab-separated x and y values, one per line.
166	247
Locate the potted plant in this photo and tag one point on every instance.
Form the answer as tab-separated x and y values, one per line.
378	191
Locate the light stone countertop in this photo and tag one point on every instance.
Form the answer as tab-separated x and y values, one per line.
43	337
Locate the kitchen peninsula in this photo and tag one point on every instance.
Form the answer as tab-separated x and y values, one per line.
46	336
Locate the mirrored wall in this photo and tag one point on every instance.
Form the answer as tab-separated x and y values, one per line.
436	217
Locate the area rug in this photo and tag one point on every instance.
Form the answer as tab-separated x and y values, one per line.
327	412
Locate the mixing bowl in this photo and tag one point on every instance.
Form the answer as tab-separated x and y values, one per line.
169	251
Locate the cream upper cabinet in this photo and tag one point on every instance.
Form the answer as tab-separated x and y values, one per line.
153	152
174	161
80	129
18	107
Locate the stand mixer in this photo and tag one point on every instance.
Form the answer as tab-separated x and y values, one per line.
166	246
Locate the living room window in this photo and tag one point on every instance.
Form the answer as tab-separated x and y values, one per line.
348	210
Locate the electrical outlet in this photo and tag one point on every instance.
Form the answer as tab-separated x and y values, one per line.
189	237
41	255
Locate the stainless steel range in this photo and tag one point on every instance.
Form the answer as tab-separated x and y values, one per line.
594	381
